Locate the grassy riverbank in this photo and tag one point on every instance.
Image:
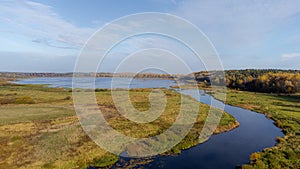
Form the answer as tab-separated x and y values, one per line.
285	111
39	128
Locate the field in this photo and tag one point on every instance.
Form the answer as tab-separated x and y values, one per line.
285	111
39	127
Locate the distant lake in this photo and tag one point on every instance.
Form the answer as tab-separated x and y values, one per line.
101	82
222	151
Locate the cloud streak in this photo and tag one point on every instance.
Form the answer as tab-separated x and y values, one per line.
290	55
238	23
39	21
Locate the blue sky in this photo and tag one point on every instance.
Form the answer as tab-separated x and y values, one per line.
46	36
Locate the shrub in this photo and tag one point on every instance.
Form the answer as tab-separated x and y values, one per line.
100	90
7	100
278	124
24	100
106	160
67	98
254	156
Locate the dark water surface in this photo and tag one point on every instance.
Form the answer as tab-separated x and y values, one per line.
222	151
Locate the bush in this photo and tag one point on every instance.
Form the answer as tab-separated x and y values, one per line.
67	98
11	94
106	160
100	90
7	100
278	124
254	156
24	100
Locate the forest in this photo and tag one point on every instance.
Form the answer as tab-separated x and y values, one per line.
264	80
269	81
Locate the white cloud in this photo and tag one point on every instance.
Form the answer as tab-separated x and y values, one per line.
290	55
40	23
238	23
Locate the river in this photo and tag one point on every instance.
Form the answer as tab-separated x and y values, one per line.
225	150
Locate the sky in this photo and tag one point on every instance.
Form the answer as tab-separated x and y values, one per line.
48	36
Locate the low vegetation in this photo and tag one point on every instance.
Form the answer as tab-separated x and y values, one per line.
39	127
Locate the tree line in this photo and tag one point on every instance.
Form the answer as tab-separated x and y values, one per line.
15	75
258	80
265	80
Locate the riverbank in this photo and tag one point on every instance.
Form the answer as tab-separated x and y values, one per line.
284	110
39	127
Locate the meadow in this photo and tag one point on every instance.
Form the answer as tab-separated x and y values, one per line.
39	127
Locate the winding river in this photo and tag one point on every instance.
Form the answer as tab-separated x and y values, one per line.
225	150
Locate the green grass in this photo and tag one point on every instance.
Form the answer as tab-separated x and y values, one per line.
10	114
285	111
39	127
